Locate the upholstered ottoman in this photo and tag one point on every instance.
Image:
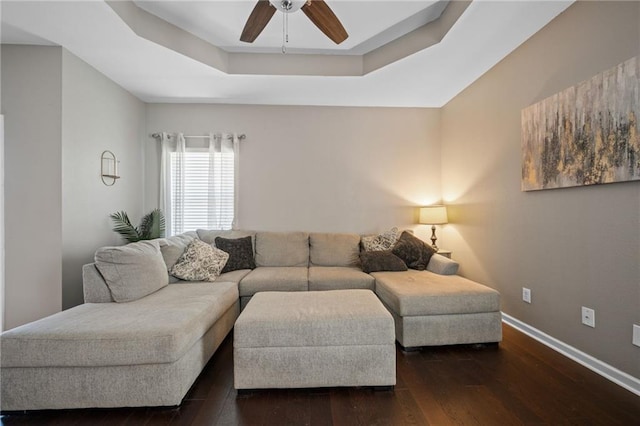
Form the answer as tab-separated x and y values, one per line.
314	339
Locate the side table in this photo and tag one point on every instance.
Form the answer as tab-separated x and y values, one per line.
445	253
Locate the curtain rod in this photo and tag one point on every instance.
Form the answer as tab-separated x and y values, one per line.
158	135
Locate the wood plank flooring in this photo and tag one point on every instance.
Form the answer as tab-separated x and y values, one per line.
521	382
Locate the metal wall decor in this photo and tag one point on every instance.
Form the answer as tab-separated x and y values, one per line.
109	168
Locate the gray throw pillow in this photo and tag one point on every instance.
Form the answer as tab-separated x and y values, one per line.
132	271
240	252
415	252
378	261
199	262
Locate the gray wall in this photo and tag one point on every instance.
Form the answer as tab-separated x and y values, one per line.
97	115
318	168
31	104
572	247
60	114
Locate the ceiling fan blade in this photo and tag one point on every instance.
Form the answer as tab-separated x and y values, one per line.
259	18
323	17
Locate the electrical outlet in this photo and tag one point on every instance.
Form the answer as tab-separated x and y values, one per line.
636	335
526	294
589	317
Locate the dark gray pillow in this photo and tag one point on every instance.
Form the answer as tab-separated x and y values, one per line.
378	261
240	253
415	252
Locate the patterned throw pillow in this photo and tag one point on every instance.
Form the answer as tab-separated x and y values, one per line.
199	262
240	252
415	252
378	261
172	248
384	241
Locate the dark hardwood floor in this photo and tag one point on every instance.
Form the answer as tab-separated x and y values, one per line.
519	382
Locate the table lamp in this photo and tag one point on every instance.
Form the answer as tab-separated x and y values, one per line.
433	215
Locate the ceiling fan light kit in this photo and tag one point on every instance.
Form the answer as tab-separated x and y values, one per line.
317	11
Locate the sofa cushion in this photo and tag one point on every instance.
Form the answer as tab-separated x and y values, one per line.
240	252
172	248
383	260
200	262
384	241
415	252
418	293
327	249
339	278
269	278
233	276
158	328
282	249
132	271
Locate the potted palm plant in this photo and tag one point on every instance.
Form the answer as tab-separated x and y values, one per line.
151	226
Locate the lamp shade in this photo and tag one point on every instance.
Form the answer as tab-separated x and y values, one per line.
433	215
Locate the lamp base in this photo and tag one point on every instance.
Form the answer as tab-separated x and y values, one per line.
434	238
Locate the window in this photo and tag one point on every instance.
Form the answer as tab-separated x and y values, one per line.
201	193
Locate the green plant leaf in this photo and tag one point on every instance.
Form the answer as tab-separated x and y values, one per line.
152	225
124	227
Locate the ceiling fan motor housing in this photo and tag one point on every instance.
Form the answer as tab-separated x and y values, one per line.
288	6
317	11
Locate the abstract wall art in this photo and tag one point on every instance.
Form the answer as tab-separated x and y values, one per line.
588	134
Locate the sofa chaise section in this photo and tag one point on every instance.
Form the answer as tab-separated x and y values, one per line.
430	309
147	352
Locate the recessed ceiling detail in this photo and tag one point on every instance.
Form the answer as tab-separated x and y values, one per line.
416	28
370	24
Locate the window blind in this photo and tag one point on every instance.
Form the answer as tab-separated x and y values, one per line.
205	200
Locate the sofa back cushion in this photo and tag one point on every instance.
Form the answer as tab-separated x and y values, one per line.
328	249
132	271
209	235
282	249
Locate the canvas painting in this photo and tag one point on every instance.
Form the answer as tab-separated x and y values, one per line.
587	134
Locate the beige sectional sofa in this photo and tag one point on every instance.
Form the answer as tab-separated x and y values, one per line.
149	351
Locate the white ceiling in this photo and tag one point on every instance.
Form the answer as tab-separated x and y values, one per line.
486	32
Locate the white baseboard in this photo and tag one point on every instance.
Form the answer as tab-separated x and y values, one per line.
618	377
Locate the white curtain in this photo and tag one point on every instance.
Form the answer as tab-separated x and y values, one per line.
181	175
236	180
223	181
172	202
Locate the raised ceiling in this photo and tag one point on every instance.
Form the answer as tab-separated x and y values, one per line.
370	24
399	53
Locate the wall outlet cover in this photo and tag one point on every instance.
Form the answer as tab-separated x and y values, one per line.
636	335
588	317
526	294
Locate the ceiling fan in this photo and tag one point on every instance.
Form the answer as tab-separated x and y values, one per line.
316	10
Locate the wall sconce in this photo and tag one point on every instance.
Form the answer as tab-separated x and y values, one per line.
433	215
109	168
